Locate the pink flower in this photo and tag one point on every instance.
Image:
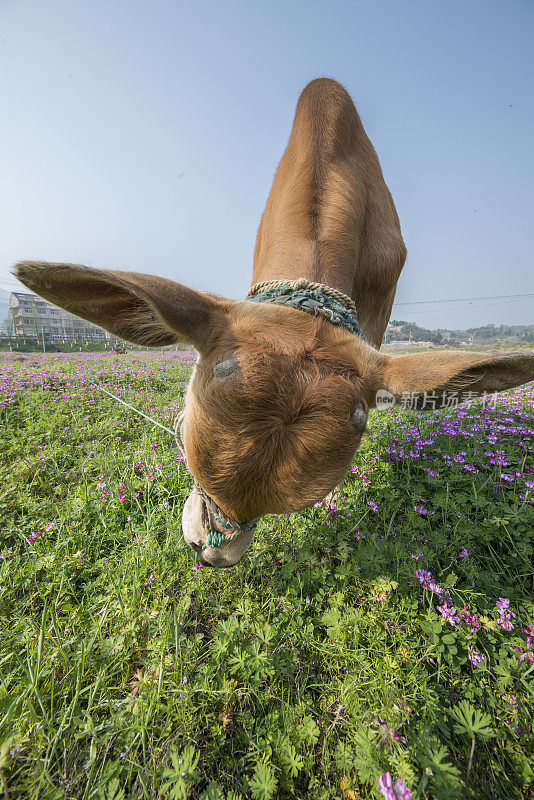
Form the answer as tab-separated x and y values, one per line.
505	618
464	553
427	580
448	611
423	575
389	734
423	511
471	619
502	603
385	787
526	652
505	621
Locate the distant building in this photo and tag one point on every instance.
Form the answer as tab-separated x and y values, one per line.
33	317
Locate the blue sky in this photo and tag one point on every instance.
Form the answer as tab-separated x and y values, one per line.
146	135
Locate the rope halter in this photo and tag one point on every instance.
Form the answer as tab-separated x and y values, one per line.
314	298
222	528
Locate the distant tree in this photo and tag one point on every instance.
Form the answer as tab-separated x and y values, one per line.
486	334
7	324
410	330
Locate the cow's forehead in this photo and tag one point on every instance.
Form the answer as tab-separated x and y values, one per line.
277	437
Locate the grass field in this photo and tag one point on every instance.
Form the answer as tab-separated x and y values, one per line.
390	632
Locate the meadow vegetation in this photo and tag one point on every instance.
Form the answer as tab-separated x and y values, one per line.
390	631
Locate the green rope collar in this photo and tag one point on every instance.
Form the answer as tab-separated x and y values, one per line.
313	301
230	527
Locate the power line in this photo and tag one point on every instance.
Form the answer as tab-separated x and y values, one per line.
467	308
507	298
465	299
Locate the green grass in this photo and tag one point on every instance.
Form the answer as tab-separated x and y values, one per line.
315	665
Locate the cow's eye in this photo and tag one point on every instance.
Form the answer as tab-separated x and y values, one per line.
359	417
225	369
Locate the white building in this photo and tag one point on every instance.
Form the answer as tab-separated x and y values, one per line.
33	317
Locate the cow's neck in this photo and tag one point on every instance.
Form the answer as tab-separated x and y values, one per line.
329	216
310	269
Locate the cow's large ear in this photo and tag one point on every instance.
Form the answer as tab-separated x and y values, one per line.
474	374
140	308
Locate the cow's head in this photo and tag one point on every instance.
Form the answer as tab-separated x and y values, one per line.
278	400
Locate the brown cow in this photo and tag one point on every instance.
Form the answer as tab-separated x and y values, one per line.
279	398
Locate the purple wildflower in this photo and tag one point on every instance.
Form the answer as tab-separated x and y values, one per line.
475	656
502	604
529	630
505	618
448	612
525	653
388	734
471	619
421	510
505	621
149	580
423	575
427	580
385	787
